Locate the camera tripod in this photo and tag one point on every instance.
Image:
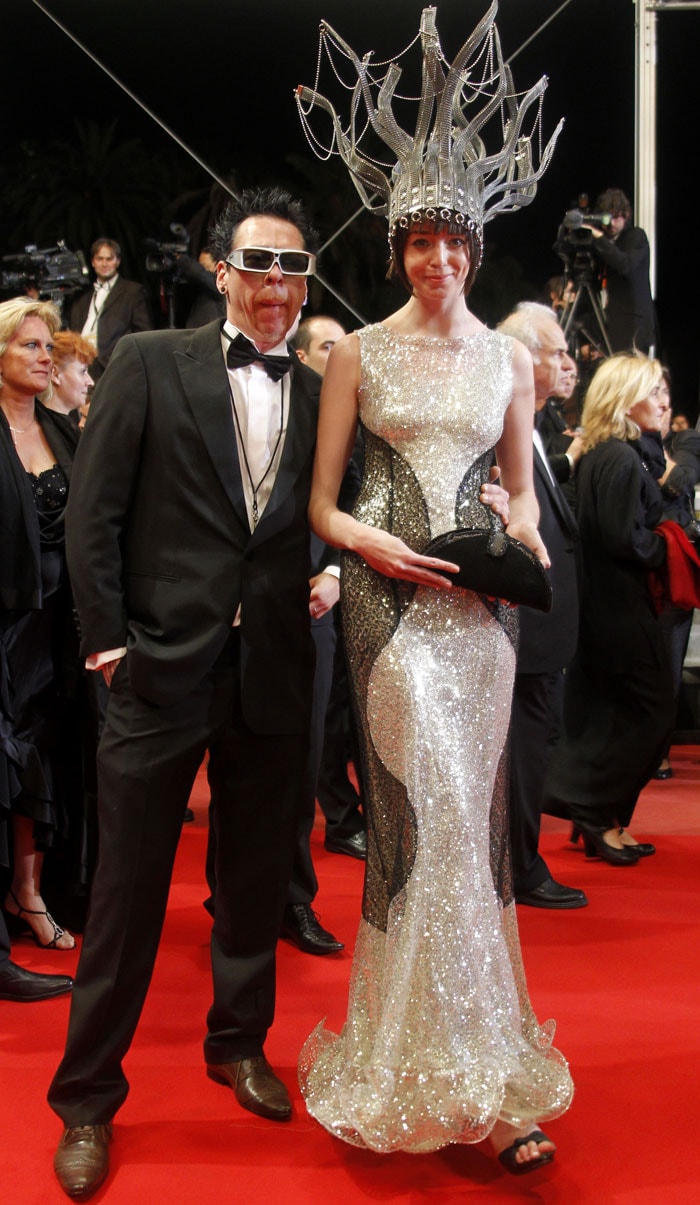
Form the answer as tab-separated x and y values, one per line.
590	327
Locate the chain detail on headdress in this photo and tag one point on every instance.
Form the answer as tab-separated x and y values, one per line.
443	170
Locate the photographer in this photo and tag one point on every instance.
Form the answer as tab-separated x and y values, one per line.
624	252
112	308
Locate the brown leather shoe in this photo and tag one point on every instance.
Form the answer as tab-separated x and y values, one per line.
82	1159
255	1085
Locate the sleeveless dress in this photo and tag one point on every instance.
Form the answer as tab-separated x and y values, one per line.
440	1039
30	706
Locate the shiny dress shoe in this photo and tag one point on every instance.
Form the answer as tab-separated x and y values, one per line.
552	895
667	772
81	1162
255	1086
301	926
188	816
23	986
354	847
596	846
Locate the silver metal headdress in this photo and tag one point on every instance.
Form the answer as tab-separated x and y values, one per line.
443	170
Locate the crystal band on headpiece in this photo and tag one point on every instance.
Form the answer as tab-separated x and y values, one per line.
444	169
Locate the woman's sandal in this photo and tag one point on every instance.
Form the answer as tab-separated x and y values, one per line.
514	1166
26	925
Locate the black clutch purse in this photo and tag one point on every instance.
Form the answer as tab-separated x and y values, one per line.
493	563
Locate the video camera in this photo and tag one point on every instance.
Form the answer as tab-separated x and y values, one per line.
575	239
574	219
55	271
162	257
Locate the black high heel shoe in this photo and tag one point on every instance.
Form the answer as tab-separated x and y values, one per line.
575	834
596	846
643	849
20	925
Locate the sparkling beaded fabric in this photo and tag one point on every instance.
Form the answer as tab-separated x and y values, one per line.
440	1039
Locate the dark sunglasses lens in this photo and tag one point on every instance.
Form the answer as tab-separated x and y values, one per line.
256	259
296	263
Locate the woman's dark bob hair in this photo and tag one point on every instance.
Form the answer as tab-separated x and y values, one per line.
438	225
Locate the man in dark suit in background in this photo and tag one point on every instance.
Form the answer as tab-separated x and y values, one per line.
340	802
312	344
111	308
188	546
547	641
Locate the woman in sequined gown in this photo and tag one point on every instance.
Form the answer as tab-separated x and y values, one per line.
440	1043
39	741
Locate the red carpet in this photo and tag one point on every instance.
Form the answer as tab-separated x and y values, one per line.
620	976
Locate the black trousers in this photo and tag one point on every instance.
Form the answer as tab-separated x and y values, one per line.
303	884
339	801
535	719
147	762
4	943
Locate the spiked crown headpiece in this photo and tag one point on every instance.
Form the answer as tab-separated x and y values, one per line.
443	170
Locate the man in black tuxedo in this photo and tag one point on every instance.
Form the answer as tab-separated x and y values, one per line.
188	547
111	308
547	641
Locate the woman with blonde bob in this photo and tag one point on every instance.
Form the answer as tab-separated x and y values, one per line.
619	693
38	643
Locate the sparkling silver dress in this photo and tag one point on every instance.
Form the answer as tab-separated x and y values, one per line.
440	1039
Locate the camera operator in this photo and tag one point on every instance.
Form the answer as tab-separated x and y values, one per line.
112	308
624	252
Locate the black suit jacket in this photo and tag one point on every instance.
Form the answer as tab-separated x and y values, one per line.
159	547
126	310
548	641
629	315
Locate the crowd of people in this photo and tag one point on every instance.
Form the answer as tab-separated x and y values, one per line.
584	679
172	573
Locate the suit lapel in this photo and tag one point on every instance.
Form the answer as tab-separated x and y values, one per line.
114	293
558	500
203	376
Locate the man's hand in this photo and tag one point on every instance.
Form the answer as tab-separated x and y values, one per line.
325	592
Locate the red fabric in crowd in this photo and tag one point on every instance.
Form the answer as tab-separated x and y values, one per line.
677	582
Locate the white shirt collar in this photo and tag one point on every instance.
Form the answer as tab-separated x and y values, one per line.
280	349
105	286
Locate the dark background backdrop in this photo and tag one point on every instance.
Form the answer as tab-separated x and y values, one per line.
80	158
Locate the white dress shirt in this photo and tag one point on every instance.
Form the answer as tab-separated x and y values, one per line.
260	407
100	292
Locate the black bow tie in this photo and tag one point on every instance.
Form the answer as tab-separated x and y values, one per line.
241	352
